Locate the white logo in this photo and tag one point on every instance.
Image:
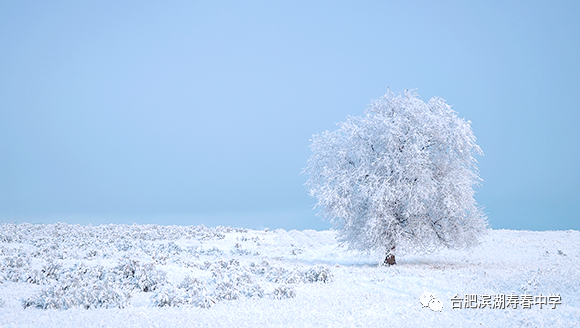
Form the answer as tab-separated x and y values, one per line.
429	299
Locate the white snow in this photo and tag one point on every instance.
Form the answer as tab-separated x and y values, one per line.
96	276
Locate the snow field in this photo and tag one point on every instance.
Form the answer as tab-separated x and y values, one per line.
63	275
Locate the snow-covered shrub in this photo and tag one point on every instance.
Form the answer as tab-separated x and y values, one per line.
294	277
227	291
15	275
91	253
229	282
195	292
276	274
259	269
167	297
79	286
14	268
2	303
170	248
36	277
143	277
16	262
240	251
283	292
65	260
190	283
189	292
50	271
233	263
252	291
229	279
318	274
240	278
5	238
148	277
214	251
78	293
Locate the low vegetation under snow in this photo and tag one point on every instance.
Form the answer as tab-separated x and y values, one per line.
65	275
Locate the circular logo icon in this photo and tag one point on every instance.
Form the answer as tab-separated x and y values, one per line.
429	299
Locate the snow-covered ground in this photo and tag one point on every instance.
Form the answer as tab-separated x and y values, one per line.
63	275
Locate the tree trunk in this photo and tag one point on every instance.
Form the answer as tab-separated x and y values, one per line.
390	259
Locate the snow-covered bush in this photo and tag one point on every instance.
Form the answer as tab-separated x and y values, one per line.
81	286
14	268
145	277
93	287
42	277
318	274
191	292
65	296
277	274
227	291
195	292
167	297
252	291
294	276
400	176
108	266
231	281
283	292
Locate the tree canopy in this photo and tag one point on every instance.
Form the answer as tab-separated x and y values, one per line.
401	175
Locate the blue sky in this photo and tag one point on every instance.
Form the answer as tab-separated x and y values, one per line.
201	112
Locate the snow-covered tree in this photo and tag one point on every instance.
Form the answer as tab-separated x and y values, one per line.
400	177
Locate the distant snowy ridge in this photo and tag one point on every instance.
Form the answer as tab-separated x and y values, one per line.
269	278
